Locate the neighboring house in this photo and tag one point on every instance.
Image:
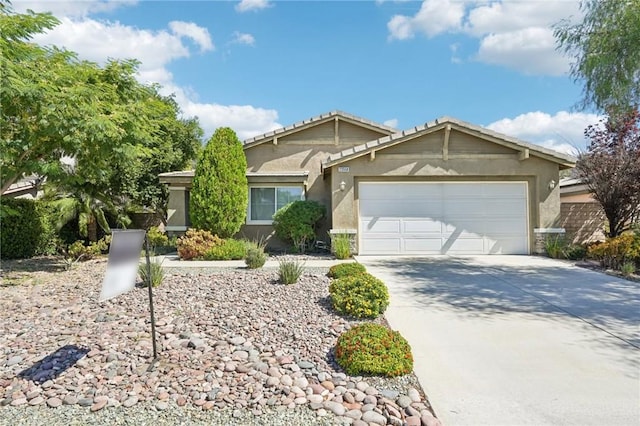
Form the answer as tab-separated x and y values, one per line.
580	214
27	187
447	187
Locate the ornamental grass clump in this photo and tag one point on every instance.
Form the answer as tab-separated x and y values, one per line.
157	273
255	257
373	349
289	271
360	296
346	269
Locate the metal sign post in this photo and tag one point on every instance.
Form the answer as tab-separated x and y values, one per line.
149	280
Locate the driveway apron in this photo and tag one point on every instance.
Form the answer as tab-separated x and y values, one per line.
517	340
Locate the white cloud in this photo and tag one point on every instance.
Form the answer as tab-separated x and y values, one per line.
243	38
513	33
433	18
393	122
249	5
156	49
563	131
198	34
530	51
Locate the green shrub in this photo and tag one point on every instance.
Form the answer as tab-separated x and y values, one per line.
219	196
615	252
628	268
575	252
373	349
555	246
289	271
296	222
158	241
78	251
346	269
255	257
27	229
157	273
195	243
361	296
341	246
228	249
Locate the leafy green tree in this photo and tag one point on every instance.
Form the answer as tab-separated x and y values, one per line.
54	105
119	133
606	48
219	196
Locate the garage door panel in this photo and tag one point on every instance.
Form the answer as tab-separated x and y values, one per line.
422	245
387	226
443	218
425	226
384	246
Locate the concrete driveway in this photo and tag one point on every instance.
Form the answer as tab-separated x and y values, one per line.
517	340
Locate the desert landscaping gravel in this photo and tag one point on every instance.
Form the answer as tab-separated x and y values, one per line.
236	347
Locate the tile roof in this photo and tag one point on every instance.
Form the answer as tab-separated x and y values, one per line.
315	120
437	124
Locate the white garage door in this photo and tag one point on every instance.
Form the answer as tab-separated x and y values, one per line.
443	218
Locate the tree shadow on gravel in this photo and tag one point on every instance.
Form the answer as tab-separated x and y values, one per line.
36	264
54	364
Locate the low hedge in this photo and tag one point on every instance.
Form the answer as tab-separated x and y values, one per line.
27	229
373	349
360	296
342	270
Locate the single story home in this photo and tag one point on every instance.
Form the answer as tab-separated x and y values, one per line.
580	214
446	187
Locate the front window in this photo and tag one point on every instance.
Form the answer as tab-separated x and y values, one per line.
264	201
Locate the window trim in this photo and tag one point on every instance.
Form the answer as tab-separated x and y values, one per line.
275	186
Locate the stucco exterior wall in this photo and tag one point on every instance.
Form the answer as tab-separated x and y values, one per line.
304	151
421	159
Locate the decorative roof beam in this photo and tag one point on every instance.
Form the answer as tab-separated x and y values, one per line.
372	155
336	137
524	154
445	143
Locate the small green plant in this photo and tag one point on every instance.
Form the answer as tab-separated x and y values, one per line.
342	246
157	273
159	242
575	252
342	270
255	257
628	268
361	296
289	271
195	243
296	222
373	349
555	246
228	249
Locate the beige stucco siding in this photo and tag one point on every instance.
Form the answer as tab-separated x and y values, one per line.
408	161
305	151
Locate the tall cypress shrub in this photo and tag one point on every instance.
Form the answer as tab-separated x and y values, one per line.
219	195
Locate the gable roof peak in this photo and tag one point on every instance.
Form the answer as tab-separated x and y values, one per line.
283	131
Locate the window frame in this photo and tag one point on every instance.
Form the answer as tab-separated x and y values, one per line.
249	221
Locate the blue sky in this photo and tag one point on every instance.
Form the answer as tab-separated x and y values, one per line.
256	65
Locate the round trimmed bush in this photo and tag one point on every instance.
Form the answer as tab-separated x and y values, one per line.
361	296
373	349
346	269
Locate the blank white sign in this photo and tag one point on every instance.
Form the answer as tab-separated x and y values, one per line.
122	266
